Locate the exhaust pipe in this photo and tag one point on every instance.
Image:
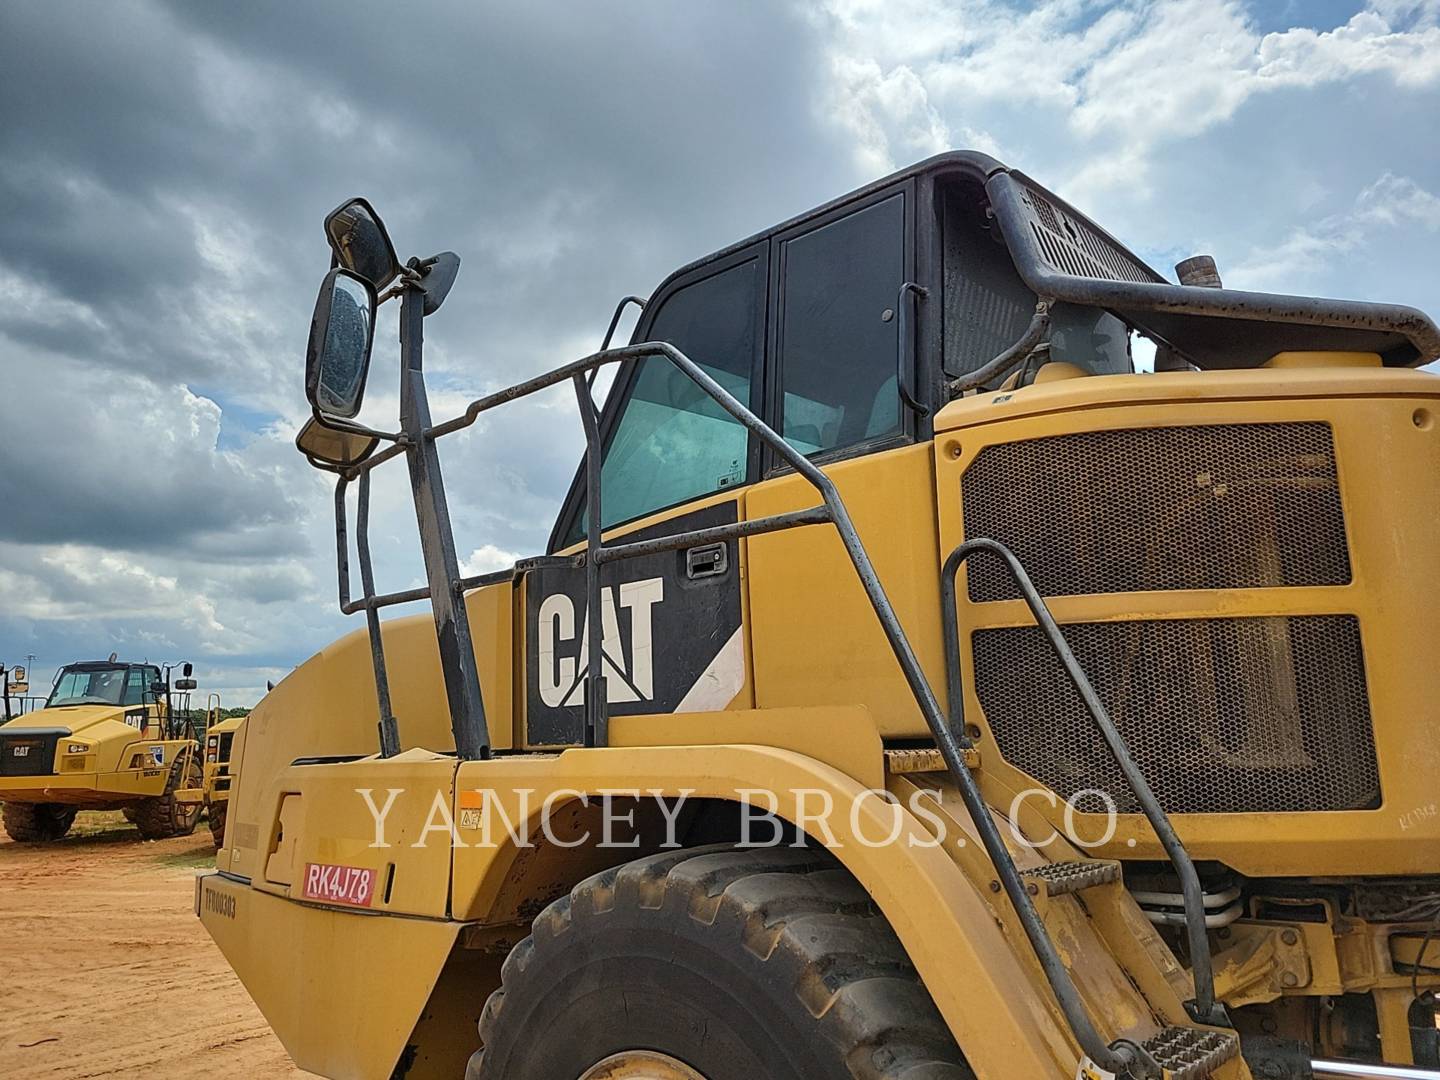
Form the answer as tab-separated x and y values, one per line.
1358	1070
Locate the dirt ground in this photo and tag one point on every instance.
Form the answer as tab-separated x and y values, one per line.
106	972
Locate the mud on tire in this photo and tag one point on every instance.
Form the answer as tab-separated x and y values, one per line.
164	816
37	823
741	964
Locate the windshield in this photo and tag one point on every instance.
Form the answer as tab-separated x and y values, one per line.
89	686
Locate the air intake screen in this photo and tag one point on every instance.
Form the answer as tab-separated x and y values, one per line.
1232	506
1072	245
1223	715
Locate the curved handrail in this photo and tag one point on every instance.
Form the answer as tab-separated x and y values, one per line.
1204	1006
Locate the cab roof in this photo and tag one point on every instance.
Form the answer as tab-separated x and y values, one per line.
1064	256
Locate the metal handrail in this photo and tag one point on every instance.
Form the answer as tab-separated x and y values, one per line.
1204	1006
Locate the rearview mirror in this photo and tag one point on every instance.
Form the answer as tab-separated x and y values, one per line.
184	684
360	242
328	448
187	669
341	331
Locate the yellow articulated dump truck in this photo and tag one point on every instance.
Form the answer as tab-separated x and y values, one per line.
112	735
218	774
911	689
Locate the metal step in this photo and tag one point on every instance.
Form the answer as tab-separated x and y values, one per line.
1063	878
1187	1053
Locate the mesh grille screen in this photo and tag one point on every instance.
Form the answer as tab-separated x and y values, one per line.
1222	715
1232	506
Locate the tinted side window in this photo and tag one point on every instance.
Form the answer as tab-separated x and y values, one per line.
838	353
135	687
672	442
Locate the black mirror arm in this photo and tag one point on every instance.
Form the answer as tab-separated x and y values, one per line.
910	294
409	277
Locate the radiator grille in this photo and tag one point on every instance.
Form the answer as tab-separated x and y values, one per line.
27	753
1222	715
1228	506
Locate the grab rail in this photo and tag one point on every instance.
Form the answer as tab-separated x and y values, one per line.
1203	1007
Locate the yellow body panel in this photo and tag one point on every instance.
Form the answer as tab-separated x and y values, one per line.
116	767
1390	489
326	707
808	592
352	986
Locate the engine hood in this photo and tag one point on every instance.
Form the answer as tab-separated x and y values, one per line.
76	719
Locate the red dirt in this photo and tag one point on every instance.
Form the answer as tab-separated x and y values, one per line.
106	972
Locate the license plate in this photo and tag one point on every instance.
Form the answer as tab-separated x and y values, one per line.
330	884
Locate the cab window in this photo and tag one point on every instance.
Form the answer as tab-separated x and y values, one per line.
838	333
671	441
135	687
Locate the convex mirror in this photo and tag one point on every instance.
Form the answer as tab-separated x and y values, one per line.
361	244
341	333
327	447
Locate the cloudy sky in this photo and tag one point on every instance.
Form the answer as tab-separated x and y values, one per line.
164	169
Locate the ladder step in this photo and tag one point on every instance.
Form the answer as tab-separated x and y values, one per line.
1187	1053
1063	878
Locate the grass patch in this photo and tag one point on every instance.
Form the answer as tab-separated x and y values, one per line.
96	822
187	860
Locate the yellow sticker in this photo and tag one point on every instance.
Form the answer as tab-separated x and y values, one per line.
471	819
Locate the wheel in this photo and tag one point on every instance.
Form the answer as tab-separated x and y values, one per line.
37	823
714	964
163	816
216	816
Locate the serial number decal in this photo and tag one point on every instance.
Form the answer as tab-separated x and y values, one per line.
218	903
351	885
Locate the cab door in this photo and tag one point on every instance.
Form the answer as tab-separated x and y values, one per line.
674	461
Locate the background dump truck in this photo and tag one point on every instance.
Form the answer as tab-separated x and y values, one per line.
1085	704
218	776
112	735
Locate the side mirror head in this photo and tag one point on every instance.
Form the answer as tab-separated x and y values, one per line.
331	449
185	684
361	244
158	687
341	333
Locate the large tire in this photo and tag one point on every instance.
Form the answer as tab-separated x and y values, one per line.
216	816
730	964
38	823
163	816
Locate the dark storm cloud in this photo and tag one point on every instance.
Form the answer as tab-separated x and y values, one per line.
164	169
570	153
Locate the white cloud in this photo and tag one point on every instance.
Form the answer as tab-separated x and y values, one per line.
487	559
1123	79
1309	251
